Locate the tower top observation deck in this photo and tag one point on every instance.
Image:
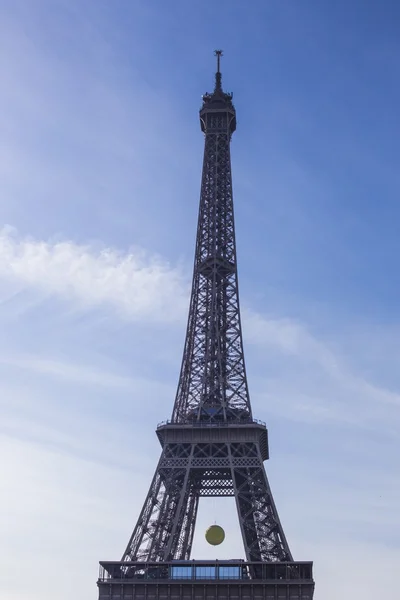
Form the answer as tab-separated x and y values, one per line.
218	100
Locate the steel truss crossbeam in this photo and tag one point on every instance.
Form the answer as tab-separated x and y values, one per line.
166	525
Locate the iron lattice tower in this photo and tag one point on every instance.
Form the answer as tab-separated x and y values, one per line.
212	446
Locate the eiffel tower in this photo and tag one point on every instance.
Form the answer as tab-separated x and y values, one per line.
212	446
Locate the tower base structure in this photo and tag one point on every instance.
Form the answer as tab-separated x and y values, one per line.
206	580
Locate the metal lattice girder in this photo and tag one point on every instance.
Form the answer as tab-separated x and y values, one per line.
166	526
213	384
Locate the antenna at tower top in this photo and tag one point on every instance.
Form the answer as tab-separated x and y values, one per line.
218	54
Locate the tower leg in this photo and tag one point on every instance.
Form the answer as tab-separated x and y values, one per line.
166	524
262	532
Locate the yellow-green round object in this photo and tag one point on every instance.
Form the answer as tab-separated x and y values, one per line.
215	535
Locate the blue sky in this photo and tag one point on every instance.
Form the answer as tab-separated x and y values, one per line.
100	165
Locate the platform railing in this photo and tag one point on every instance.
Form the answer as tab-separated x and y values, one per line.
208	424
198	570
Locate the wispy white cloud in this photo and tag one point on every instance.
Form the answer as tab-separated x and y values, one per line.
290	336
313	381
77	373
136	285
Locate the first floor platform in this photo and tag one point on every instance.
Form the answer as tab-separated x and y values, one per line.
206	580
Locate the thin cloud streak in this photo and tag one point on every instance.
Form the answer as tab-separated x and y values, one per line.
138	286
73	373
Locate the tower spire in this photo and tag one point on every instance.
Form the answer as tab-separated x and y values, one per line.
218	99
218	76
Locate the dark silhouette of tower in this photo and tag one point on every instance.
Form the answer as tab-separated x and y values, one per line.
212	446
